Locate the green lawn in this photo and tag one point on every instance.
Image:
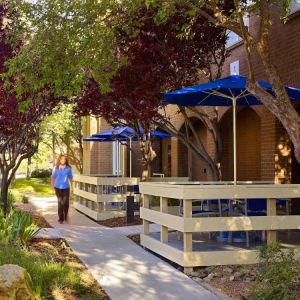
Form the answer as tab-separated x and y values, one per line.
39	186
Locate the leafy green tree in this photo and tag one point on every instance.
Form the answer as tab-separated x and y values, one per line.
67	42
62	132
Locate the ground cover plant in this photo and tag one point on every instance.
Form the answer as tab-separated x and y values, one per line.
279	276
17	228
55	271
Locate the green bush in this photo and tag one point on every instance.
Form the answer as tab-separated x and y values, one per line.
17	228
279	277
45	274
41	173
25	199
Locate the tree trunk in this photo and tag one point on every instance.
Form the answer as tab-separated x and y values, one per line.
146	174
53	149
148	156
28	175
4	193
279	105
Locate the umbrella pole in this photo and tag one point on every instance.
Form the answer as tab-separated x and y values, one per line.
123	161
118	157
130	157
234	141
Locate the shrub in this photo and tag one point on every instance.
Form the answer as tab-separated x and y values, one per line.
279	277
25	199
16	196
17	228
41	173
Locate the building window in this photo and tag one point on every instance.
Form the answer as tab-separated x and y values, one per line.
235	68
116	159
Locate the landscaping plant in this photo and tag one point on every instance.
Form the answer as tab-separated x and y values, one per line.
45	274
17	228
279	276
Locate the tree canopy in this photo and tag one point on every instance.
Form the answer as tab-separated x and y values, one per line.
159	57
20	117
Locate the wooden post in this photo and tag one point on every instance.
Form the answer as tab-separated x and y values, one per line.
164	234
187	236
271	211
146	201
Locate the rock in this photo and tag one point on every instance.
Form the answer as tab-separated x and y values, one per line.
237	275
249	279
15	283
223	279
209	277
217	274
209	269
231	278
228	270
257	269
202	273
195	274
197	279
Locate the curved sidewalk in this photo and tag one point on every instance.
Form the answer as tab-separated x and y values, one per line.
123	269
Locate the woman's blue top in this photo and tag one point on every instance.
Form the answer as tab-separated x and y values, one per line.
62	177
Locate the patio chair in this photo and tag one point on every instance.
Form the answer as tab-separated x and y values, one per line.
204	211
285	204
258	207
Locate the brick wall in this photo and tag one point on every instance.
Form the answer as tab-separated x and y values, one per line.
97	156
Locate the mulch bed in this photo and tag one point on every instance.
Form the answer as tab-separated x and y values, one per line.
39	220
60	252
35	215
120	222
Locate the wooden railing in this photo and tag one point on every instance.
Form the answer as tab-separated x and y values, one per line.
103	196
181	251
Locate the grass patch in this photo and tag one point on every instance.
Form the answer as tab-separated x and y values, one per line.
39	186
49	277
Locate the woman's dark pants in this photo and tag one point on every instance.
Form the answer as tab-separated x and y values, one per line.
63	197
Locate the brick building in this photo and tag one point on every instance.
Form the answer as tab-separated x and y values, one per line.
264	151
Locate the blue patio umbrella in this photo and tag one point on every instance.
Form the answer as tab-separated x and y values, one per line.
122	134
128	132
230	91
116	133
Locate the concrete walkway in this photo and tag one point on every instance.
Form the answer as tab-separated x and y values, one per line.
123	269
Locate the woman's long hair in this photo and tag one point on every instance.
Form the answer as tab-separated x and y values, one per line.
58	161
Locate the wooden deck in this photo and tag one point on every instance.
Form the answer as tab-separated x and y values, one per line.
193	249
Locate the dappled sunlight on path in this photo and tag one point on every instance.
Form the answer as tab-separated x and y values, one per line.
124	270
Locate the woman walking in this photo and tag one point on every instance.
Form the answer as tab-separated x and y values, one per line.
61	181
